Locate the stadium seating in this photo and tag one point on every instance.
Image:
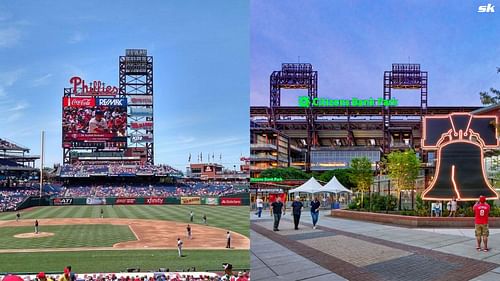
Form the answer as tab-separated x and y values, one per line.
97	169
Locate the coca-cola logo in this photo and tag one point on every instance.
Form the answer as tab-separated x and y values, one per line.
111	102
81	102
94	88
78	102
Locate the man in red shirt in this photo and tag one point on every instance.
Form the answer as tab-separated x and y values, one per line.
481	213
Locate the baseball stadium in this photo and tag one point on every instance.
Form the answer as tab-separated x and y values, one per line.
109	208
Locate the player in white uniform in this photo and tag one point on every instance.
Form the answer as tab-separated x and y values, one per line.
98	124
179	246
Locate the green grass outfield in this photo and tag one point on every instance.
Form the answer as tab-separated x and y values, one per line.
65	235
235	219
118	261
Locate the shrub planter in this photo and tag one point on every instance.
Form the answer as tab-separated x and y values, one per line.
412	221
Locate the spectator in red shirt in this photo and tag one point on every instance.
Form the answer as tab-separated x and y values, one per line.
481	213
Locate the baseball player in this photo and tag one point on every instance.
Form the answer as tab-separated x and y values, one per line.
36	226
191	216
18	216
204	219
188	229
98	124
228	236
179	246
102	213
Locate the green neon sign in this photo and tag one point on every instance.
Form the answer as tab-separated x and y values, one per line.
304	101
265	179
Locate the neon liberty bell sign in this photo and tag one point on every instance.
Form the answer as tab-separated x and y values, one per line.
460	139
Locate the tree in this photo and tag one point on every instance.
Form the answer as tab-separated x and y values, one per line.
361	175
288	173
343	175
403	169
491	98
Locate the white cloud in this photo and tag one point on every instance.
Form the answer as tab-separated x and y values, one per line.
9	36
77	37
42	80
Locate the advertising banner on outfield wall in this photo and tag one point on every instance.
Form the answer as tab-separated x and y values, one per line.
125	201
224	201
210	201
96	201
63	201
154	201
190	200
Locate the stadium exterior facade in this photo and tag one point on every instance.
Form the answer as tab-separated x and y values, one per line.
319	138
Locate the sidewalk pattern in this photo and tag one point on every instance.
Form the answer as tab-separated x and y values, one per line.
357	256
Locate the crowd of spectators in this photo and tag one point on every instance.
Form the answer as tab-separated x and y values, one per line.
81	170
4	144
158	190
159	276
10	198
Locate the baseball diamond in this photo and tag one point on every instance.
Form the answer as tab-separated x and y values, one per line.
95	244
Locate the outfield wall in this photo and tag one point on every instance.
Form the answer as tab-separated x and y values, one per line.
233	200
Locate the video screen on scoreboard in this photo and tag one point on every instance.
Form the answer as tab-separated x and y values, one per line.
94	120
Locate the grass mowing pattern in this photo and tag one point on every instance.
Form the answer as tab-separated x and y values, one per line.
119	261
233	218
67	236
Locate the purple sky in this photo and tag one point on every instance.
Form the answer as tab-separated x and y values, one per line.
352	43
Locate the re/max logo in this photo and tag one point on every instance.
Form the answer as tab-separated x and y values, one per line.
490	8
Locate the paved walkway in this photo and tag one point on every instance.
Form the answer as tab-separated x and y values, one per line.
345	249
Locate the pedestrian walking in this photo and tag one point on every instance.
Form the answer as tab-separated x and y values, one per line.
296	210
260	205
277	208
315	211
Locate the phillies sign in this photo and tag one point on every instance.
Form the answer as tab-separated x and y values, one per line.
111	102
94	88
78	102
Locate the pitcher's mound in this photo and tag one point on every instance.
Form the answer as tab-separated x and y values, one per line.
34	235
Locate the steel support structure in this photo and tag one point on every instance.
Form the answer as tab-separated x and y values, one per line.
136	79
295	76
402	76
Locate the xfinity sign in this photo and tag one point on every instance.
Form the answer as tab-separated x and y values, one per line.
490	8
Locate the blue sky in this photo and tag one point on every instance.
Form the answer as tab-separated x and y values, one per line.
351	43
201	69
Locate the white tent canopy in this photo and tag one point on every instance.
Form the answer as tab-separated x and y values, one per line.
310	186
334	186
